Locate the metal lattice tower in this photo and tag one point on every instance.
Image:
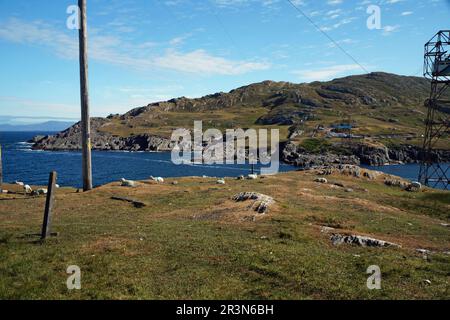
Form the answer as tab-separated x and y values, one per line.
433	173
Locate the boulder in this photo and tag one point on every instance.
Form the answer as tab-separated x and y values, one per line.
321	180
261	202
414	187
362	241
396	183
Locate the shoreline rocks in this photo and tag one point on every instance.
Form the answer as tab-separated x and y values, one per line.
297	156
70	140
360	154
290	153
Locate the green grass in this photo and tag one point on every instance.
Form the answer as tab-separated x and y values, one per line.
192	243
316	145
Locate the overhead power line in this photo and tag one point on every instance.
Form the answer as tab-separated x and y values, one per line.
327	35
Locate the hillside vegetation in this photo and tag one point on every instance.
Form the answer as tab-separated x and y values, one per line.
192	241
378	104
382	108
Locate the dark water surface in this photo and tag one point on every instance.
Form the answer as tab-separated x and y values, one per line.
32	167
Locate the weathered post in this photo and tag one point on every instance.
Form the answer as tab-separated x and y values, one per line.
46	225
84	89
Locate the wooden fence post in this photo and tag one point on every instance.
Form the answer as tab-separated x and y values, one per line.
46	225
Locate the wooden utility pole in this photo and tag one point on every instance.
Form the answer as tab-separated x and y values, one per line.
46	225
84	87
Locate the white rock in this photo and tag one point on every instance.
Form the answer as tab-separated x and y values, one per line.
362	241
20	183
252	176
326	229
27	189
221	181
416	185
261	202
423	251
321	180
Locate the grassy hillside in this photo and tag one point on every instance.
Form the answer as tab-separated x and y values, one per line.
378	103
382	108
193	242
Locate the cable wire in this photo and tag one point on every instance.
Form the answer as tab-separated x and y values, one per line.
327	36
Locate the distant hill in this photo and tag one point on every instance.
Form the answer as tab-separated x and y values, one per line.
386	112
44	126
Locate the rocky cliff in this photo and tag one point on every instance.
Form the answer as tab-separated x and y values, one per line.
383	105
70	139
356	154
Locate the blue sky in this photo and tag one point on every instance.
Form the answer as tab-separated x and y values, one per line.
143	51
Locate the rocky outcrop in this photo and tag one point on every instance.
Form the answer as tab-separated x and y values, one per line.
277	103
412	154
70	140
372	155
261	202
381	155
362	241
297	156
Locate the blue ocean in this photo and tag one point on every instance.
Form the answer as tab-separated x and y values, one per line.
20	163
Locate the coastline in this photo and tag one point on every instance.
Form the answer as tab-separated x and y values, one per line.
111	165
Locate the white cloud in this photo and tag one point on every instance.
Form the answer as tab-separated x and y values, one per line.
343	41
233	3
387	30
334	2
199	61
39	33
343	22
407	13
298	2
327	73
116	51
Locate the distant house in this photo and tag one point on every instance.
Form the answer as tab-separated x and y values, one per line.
342	126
